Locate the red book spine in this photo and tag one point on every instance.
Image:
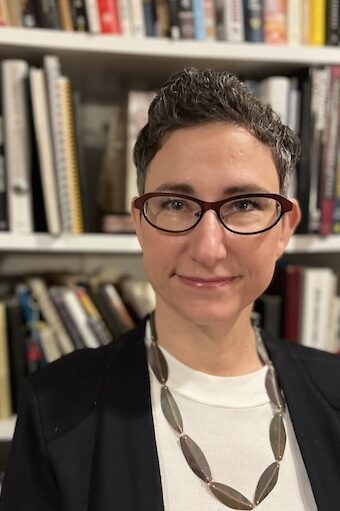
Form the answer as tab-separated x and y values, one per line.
108	16
291	300
275	14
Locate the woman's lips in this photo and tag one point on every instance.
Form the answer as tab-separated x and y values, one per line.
206	283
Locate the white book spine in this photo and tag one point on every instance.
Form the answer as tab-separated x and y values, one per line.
294	22
50	344
79	317
124	17
92	12
234	20
17	145
52	72
275	92
137	18
45	149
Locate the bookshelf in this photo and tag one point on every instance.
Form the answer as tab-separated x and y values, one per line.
116	61
128	244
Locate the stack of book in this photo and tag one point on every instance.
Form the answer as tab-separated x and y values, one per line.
302	305
42	319
311	22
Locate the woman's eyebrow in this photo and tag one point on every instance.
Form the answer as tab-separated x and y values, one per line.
230	190
175	187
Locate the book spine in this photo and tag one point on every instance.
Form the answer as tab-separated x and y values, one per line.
234	21
30	14
291	303
253	20
124	17
17	145
56	293
320	87
294	22
336	212
4	14
186	19
332	23
72	172
79	16
137	18
331	144
14	12
5	390
79	317
199	20
318	22
92	15
209	17
66	21
3	184
220	18
108	17
149	18
306	28
48	14
174	20
275	14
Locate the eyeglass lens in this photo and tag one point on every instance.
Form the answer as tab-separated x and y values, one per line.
242	215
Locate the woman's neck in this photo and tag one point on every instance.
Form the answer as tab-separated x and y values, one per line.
221	349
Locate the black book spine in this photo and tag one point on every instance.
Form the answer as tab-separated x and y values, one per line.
253	20
30	14
3	185
79	15
49	14
174	22
332	23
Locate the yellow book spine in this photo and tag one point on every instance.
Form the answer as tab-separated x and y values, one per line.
318	22
71	156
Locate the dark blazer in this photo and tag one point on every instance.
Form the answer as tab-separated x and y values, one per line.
85	439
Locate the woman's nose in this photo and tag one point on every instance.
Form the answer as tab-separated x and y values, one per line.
207	241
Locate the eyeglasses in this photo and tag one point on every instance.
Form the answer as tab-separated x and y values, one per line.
251	213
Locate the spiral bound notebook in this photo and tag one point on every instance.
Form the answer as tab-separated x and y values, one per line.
45	149
53	73
70	152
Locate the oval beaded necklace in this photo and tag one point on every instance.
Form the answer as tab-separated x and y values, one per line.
191	451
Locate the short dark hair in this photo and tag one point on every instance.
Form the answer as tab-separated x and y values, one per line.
193	97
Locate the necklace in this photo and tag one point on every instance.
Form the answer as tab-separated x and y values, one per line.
191	451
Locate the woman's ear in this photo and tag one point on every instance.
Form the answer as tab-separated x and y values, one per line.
136	217
289	223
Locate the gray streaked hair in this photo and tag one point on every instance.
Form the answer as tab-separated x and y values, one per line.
193	97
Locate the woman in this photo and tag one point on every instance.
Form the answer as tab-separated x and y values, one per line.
186	412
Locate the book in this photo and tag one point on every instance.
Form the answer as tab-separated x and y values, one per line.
316	299
330	153
274	16
45	149
234	20
336	212
185	19
65	13
49	14
5	388
318	22
79	16
137	18
30	14
275	92
94	318
92	15
138	105
70	152
306	27
3	182
57	295
14	13
108	17
174	20
124	17
117	223
294	22
149	14
253	20
209	19
40	293
269	308
138	294
16	349
333	22
108	313
118	304
52	72
17	133
199	20
49	343
320	88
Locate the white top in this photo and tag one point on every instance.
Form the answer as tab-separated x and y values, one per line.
229	418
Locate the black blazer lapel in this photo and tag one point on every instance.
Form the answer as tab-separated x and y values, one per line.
305	376
126	474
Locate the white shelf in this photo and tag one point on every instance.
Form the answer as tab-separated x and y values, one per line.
157	55
7	429
85	243
128	244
